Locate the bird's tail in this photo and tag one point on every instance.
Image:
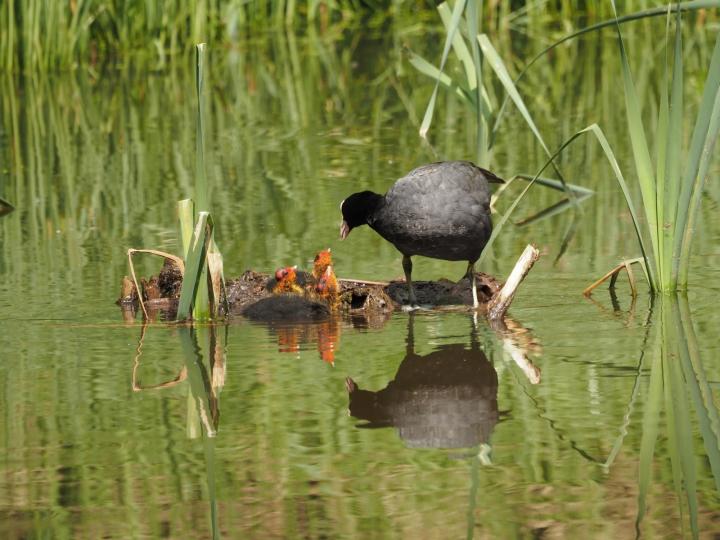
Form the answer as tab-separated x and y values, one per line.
491	177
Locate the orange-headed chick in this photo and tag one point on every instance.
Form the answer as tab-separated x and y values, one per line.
322	260
327	286
286	279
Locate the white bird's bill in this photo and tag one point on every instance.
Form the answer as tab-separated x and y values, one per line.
344	230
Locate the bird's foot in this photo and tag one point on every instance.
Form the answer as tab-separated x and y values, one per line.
417	307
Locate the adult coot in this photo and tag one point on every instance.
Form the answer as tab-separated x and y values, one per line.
287	307
440	210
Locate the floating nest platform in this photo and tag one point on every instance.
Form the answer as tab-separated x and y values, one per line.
371	295
355	296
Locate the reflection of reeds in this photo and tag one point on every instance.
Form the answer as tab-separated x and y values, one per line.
678	388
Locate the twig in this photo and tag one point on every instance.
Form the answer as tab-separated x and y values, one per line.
364	282
501	301
135	281
613	275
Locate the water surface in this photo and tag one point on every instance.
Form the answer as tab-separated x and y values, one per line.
587	417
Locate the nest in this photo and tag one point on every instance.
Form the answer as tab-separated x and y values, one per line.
355	296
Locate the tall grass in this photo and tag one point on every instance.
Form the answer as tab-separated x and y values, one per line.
474	51
672	185
36	35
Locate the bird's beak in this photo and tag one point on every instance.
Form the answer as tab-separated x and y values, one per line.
344	230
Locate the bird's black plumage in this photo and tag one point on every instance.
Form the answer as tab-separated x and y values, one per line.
440	210
286	307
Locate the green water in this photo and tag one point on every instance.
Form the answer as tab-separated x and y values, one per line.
587	418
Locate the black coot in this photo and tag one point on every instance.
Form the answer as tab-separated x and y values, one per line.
286	307
440	210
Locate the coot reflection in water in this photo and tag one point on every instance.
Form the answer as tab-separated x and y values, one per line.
294	336
444	399
325	335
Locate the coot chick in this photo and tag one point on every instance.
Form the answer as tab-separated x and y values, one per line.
440	210
328	288
288	280
291	280
321	262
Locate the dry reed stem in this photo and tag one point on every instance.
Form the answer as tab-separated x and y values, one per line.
131	251
613	275
500	302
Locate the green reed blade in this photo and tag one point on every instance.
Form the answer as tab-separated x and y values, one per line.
706	159
459	45
198	378
195	265
501	71
644	351
201	303
186	219
594	129
671	389
554	183
641	153
662	146
497	227
694	371
680	437
550	211
668	205
454	23
484	111
426	68
697	163
651	418
197	349
201	187
610	155
654	12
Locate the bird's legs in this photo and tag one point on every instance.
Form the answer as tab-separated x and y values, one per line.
407	267
471	275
